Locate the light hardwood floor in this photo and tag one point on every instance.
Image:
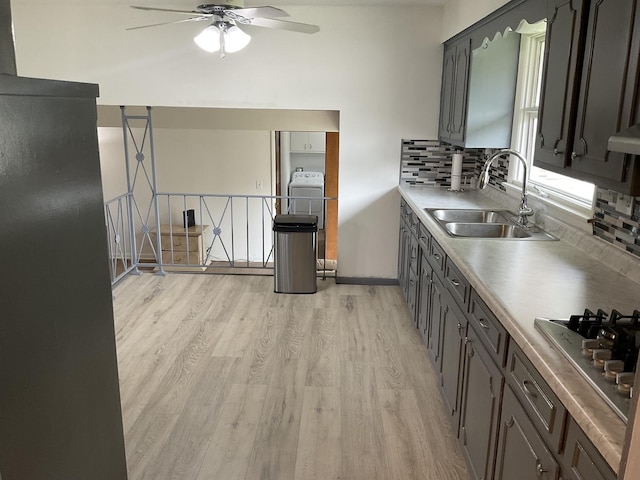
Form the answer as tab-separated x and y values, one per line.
223	379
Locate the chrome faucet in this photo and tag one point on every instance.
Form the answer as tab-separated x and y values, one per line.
524	211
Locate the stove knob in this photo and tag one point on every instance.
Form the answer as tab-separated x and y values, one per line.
588	345
601	355
612	368
624	382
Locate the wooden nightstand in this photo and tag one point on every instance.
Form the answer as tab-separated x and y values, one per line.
185	249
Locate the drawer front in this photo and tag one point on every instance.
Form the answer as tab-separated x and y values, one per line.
423	238
180	243
436	258
544	408
457	284
181	258
581	459
491	332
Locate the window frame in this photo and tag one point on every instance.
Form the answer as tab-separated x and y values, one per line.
526	112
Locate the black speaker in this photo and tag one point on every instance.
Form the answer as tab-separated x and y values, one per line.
189	218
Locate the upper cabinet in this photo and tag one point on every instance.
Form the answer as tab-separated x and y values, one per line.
479	76
308	142
453	102
590	91
478	92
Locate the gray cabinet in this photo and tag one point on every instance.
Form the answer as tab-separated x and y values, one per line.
424	299
590	91
60	402
581	460
455	82
480	407
478	92
409	258
404	241
521	453
435	258
482	386
453	331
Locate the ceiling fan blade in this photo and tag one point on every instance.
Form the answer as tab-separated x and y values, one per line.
269	12
284	25
183	12
194	19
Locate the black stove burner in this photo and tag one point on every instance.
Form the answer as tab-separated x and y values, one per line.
588	324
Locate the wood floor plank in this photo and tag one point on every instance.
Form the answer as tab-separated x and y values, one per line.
276	446
363	444
323	360
356	343
445	456
237	338
319	445
228	451
405	439
184	449
389	369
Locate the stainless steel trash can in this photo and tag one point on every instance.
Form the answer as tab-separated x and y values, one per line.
295	238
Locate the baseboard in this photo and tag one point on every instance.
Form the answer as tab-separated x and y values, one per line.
366	280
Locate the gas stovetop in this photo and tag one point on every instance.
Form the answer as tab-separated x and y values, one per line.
603	348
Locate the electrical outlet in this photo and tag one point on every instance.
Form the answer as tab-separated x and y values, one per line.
259	185
624	204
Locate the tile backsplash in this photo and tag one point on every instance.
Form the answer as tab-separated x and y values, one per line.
617	220
428	162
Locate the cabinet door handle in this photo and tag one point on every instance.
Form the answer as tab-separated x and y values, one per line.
436	256
574	155
455	282
527	389
557	152
483	325
539	470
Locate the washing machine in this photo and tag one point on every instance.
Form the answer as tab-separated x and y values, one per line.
309	185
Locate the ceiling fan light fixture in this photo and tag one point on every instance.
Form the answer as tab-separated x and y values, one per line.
209	39
235	39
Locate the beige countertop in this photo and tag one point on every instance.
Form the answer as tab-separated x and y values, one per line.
521	280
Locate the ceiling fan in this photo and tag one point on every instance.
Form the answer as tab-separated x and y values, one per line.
224	34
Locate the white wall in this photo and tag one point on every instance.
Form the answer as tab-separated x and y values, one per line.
380	67
460	14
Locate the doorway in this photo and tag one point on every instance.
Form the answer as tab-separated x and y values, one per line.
311	153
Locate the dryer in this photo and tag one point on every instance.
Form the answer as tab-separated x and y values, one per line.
311	186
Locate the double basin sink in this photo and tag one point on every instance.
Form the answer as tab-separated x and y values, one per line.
501	224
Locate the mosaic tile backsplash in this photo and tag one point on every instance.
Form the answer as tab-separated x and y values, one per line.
617	220
428	162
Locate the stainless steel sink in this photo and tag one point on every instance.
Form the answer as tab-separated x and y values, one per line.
486	230
485	223
471	216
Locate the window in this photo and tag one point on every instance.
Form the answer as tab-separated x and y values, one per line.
562	189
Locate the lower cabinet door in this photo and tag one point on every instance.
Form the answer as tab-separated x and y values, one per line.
581	459
480	411
522	454
435	320
424	299
454	328
412	292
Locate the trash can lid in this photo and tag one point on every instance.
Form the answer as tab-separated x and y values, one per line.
304	223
